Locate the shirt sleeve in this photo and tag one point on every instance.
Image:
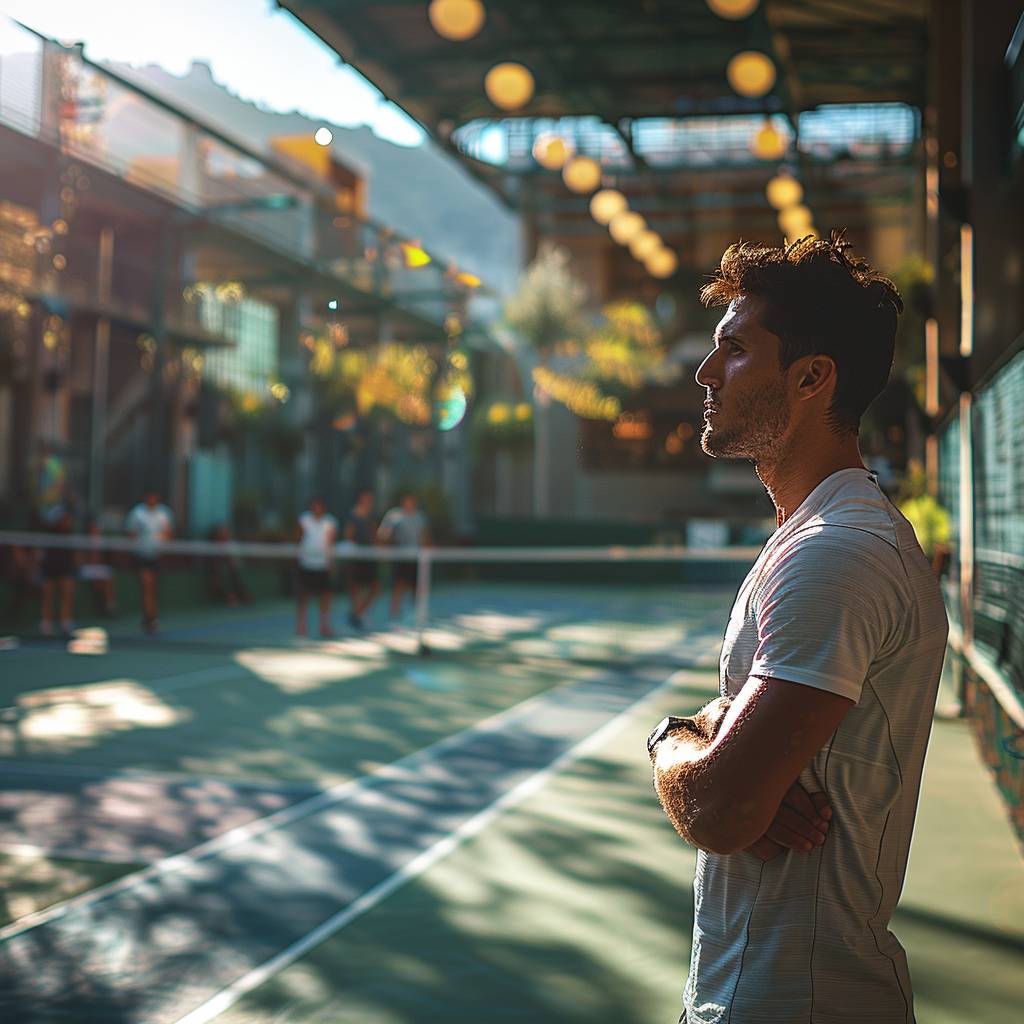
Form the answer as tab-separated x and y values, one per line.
826	610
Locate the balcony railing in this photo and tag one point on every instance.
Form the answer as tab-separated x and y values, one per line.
52	93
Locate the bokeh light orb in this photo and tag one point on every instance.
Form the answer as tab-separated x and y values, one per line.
551	151
642	245
751	73
456	19
582	174
323	136
733	10
662	263
450	408
795	221
509	85
625	226
606	204
768	143
784	190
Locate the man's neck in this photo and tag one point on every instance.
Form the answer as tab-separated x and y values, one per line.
797	471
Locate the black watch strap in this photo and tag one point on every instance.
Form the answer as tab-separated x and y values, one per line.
668	724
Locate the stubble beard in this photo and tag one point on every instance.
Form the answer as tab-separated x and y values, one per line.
756	427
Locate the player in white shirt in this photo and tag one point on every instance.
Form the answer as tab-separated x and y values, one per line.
799	784
318	531
150	523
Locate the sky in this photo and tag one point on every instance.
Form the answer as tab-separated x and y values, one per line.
258	52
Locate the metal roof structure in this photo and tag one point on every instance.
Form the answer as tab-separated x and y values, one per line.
623	60
641	87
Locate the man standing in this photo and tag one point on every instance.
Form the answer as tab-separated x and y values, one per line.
799	784
150	523
405	526
363	585
317	533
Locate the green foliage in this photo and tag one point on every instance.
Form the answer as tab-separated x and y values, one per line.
549	306
913	278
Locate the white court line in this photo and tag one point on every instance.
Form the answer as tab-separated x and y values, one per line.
227	997
278	819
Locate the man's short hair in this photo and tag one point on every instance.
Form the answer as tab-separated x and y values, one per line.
820	300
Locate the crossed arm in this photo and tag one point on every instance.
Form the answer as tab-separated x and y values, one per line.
727	782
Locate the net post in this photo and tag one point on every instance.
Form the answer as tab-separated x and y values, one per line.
424	559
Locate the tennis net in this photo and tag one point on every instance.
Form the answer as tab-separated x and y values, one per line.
583	602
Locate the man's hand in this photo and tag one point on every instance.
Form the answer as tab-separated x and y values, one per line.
800	824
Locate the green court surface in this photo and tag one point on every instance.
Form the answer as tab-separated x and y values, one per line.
563	896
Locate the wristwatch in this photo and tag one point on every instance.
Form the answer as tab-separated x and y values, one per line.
668	724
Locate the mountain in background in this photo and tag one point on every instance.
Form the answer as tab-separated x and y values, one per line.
419	191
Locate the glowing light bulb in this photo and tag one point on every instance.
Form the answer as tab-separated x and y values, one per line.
625	226
456	19
642	245
324	136
768	144
581	174
509	85
606	204
662	263
733	10
551	152
751	73
784	190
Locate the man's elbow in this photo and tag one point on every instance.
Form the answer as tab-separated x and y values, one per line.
721	828
718	832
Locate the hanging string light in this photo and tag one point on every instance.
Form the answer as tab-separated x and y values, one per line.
509	85
551	151
606	204
662	263
456	19
784	190
642	245
733	10
768	143
582	174
795	221
751	73
625	226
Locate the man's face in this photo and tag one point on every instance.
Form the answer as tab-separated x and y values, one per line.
746	407
365	503
409	503
317	507
152	498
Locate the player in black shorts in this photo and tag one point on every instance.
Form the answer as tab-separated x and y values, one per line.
363	585
58	572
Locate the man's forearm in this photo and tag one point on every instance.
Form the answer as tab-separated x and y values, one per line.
679	775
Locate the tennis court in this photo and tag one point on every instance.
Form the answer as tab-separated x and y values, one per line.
224	821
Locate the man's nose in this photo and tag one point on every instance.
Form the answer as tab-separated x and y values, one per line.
708	374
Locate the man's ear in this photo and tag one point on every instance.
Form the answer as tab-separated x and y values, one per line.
817	374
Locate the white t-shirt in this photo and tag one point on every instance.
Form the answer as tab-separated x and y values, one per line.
841	599
150	526
318	535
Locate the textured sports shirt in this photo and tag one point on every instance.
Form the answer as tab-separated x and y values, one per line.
841	599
